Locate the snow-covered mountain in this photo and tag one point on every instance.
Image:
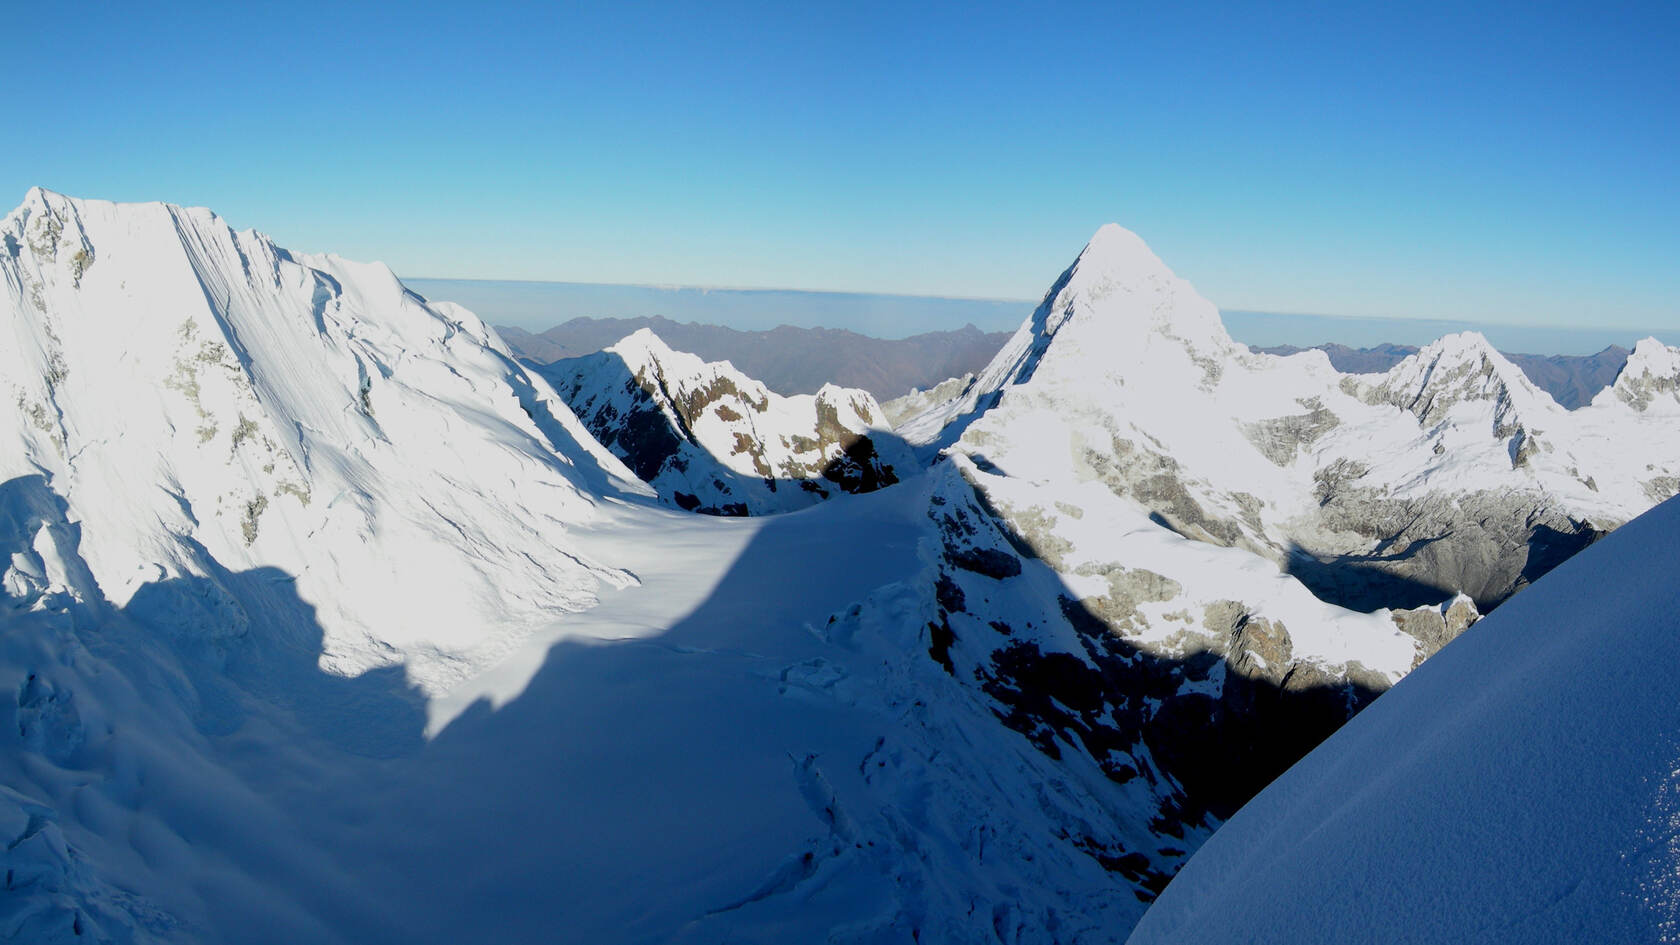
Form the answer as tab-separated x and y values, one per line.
1572	380
1450	472
710	439
328	621
206	402
1143	531
1520	787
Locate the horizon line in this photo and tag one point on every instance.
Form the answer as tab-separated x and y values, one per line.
677	287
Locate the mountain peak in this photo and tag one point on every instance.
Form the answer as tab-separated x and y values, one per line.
1125	293
1114	244
1116	316
1650	376
1464	345
1462	368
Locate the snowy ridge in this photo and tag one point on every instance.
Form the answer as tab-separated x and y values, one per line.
713	440
1463	369
206	401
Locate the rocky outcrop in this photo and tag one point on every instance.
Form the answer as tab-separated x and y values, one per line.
1650	378
1435	627
712	440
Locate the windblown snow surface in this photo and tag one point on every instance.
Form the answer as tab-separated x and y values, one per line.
1521	786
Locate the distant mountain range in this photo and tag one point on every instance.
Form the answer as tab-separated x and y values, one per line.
791	360
1572	380
318	606
786	359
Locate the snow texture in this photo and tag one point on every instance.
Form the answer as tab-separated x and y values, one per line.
1521	786
324	620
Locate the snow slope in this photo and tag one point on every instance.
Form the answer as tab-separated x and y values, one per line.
472	682
1521	786
323	620
710	439
205	401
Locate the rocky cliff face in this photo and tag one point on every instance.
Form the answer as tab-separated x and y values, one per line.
712	440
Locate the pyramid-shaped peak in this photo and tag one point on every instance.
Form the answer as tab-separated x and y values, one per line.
1117	251
1459	358
1118	287
643	341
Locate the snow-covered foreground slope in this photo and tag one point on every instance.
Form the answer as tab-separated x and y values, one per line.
731	751
710	439
1523	786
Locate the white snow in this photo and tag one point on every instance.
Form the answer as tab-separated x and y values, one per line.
735	444
203	399
1523	785
322	619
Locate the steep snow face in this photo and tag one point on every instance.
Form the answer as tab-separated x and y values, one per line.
1521	786
711	439
208	403
1117	309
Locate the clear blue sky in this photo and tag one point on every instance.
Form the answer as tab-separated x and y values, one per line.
1512	162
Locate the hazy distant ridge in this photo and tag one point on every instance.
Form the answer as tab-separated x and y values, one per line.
788	360
793	360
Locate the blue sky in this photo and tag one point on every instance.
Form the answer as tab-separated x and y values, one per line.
1502	163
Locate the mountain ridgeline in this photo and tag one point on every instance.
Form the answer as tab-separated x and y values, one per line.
791	360
320	606
787	360
1572	380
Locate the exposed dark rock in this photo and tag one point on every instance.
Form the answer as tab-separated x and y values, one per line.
991	562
